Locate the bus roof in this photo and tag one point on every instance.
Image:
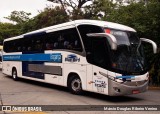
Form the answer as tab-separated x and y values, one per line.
76	23
105	24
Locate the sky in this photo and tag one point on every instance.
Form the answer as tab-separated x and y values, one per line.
29	6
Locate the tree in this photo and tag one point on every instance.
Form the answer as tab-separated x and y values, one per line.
75	5
7	30
144	18
100	9
19	17
50	16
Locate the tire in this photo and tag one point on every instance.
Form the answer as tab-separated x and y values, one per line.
75	85
14	74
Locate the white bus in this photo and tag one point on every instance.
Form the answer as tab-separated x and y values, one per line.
90	55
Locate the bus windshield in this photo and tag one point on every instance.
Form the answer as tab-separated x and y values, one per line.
129	57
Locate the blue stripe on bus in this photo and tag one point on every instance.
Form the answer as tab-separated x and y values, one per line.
54	57
126	77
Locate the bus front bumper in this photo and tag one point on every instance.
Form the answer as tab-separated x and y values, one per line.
126	88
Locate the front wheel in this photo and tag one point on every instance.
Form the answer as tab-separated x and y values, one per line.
14	74
75	85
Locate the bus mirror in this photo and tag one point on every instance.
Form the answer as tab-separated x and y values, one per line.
154	45
111	39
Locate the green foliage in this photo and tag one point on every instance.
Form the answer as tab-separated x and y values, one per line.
74	4
76	8
50	16
155	72
19	16
100	9
144	18
7	30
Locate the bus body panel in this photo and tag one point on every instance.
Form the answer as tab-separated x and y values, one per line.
89	80
9	65
74	63
100	82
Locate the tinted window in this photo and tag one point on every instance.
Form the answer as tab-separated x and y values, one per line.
97	51
12	46
64	39
100	52
84	30
26	44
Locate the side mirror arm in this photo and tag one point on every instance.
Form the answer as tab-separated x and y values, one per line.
154	45
111	39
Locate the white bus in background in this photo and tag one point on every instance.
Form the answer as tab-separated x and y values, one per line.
90	55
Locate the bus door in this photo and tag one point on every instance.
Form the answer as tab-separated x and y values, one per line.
100	63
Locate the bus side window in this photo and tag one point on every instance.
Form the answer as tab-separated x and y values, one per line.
66	39
49	46
66	44
38	45
55	45
72	40
87	41
52	41
60	42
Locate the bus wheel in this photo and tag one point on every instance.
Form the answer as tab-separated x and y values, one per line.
14	74
75	85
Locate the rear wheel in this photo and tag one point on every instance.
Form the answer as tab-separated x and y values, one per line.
14	74
75	85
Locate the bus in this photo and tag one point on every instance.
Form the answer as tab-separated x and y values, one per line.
83	55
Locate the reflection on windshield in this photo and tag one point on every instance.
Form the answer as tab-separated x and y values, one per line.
128	57
127	61
121	36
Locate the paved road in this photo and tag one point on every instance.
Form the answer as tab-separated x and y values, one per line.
25	92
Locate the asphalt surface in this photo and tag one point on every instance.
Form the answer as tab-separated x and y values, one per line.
26	92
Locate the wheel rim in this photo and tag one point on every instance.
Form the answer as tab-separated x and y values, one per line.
76	84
